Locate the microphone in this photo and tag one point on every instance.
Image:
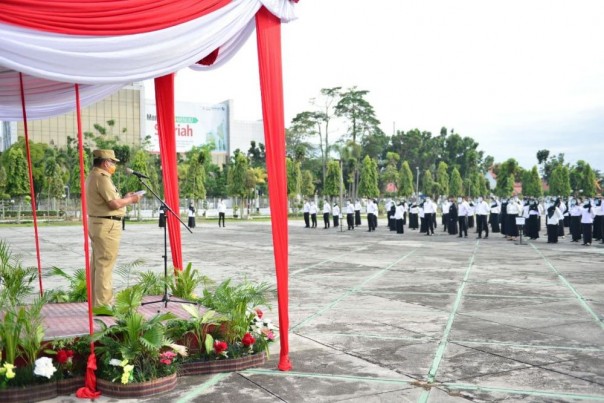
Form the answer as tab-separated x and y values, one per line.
135	173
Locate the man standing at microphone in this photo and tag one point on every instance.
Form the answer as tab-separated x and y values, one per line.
105	211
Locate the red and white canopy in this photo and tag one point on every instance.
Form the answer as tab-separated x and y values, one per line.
56	55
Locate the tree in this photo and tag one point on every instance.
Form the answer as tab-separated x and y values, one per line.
390	175
237	175
293	177
256	154
505	184
589	182
332	181
3	182
428	183
559	184
195	176
405	185
17	183
307	187
455	185
542	156
368	184
531	183
353	106
442	178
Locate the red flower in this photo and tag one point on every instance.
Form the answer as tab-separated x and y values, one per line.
63	356
69	353
248	340
220	346
259	313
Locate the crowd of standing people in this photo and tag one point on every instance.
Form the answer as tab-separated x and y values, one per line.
581	218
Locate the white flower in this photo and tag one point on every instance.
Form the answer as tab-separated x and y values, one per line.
180	349
44	367
115	362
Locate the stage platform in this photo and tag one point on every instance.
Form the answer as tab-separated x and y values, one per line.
71	319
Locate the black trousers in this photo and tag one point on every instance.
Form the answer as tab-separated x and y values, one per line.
371	219
428	219
336	221
326	220
221	219
575	227
463	226
400	228
307	220
598	221
350	220
587	233
494	219
357	217
445	219
313	219
552	233
481	222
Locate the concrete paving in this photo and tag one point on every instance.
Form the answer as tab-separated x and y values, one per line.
382	317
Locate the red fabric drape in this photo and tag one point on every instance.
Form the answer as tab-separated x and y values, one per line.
89	390
32	191
104	17
268	30
164	96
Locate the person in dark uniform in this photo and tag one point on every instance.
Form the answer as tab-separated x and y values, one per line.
503	217
452	216
105	211
533	220
413	216
391	219
445	215
357	213
495	209
162	216
306	210
598	220
191	215
575	220
350	213
554	215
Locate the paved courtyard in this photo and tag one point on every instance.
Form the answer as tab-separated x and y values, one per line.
382	317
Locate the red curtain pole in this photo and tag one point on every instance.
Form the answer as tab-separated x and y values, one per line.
164	96
88	391
32	191
268	31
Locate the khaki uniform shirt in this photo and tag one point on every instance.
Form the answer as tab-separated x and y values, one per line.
100	190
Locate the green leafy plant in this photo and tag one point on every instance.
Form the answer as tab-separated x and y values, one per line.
77	290
16	280
133	345
236	303
185	282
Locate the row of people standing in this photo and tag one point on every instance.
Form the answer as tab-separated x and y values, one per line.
584	219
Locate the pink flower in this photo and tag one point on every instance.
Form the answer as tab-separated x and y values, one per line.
259	313
248	340
270	335
167	357
220	347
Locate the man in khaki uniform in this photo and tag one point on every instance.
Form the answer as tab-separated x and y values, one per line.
105	212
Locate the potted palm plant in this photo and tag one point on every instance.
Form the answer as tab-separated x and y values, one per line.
136	358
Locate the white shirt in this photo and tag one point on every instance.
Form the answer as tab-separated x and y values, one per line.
556	217
575	211
445	207
429	207
414	209
599	209
513	208
496	207
326	208
190	213
313	209
587	215
463	209
349	209
357	206
482	208
336	211
400	212
306	207
221	207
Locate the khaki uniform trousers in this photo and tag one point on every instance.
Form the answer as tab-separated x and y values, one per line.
105	235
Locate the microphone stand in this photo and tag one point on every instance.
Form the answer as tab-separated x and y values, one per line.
166	297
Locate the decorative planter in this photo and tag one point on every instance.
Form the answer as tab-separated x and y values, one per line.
134	390
69	386
217	366
30	393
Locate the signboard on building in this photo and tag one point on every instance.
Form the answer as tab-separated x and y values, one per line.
196	124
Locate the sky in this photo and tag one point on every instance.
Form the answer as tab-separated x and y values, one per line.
516	76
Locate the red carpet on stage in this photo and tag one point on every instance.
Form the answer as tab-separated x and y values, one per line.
71	319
